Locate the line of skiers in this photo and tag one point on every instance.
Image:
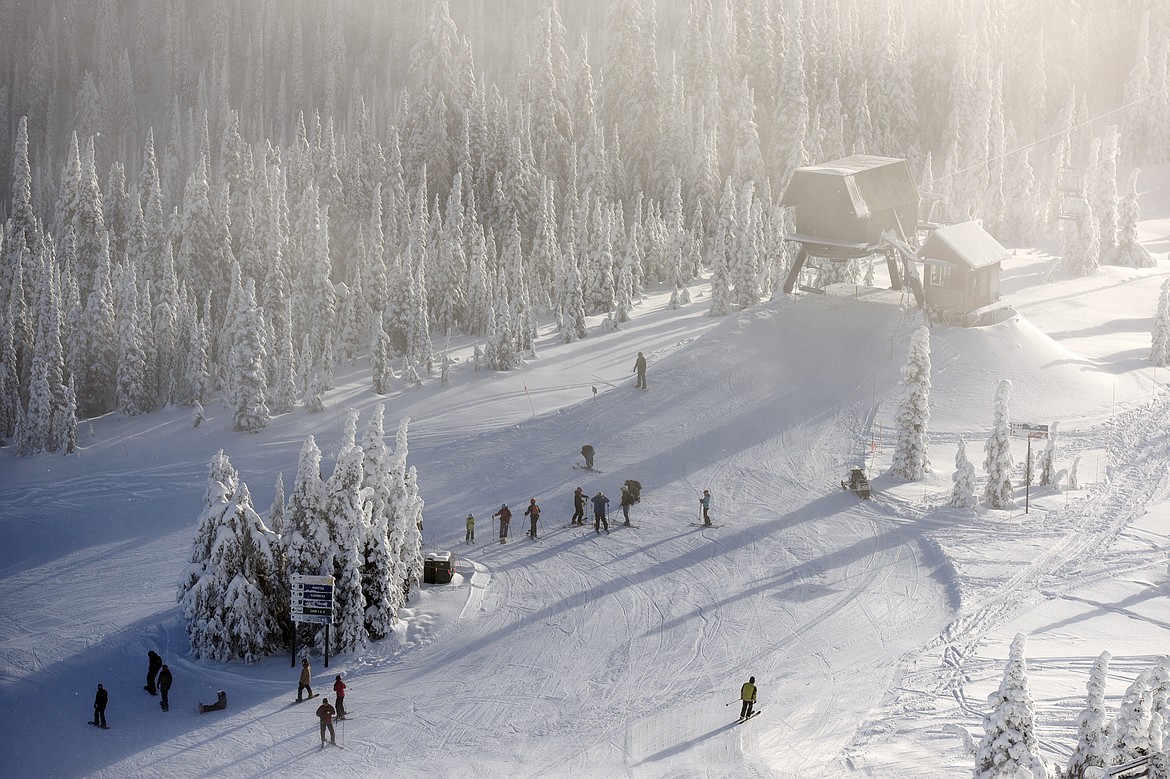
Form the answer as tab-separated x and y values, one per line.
630	494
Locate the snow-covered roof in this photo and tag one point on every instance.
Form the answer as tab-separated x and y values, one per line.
965	242
871	183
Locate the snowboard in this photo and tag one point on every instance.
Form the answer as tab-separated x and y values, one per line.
748	717
298	700
700	524
103	727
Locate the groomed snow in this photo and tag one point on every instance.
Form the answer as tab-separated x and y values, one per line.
873	628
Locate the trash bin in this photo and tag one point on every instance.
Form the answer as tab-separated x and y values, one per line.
438	568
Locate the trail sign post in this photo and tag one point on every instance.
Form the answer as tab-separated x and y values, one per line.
1019	430
312	602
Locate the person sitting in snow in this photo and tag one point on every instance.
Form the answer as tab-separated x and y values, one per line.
219	705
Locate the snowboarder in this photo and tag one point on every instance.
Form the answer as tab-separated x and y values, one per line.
599	518
505	515
579	506
532	512
626	502
587	453
306	679
164	686
99	707
705	502
640	369
219	705
155	663
470	529
339	691
325	713
747	694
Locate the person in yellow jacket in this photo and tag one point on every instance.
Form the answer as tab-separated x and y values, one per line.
748	695
470	530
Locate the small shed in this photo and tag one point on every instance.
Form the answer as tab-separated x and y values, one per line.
961	274
843	207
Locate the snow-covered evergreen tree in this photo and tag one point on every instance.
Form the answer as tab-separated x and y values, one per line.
228	591
380	568
250	412
1160	349
911	460
1009	731
1047	469
963	489
1131	728
347	506
1129	252
998	463
1093	726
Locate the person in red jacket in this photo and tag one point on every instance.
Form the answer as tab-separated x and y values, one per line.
505	515
533	512
325	714
339	690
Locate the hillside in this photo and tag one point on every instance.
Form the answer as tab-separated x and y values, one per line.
576	654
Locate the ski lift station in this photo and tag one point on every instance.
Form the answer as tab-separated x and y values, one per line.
863	205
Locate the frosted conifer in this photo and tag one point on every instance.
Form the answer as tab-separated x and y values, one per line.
963	491
911	459
1009	741
1131	728
1047	469
998	463
1093	727
1160	350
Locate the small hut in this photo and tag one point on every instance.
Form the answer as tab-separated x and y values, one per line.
961	275
844	208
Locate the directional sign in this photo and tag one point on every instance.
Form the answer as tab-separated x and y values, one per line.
312	599
1025	430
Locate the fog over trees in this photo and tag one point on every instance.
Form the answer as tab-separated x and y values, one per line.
226	200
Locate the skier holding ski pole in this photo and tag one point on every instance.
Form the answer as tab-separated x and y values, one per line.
747	694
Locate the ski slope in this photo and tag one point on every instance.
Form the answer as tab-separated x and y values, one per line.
873	628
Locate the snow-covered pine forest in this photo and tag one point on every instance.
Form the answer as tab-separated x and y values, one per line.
226	200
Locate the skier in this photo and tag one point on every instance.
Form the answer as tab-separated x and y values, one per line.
587	453
533	512
339	690
470	529
306	679
505	515
164	686
152	671
579	506
640	369
325	713
99	707
705	502
627	501
599	518
747	694
219	705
